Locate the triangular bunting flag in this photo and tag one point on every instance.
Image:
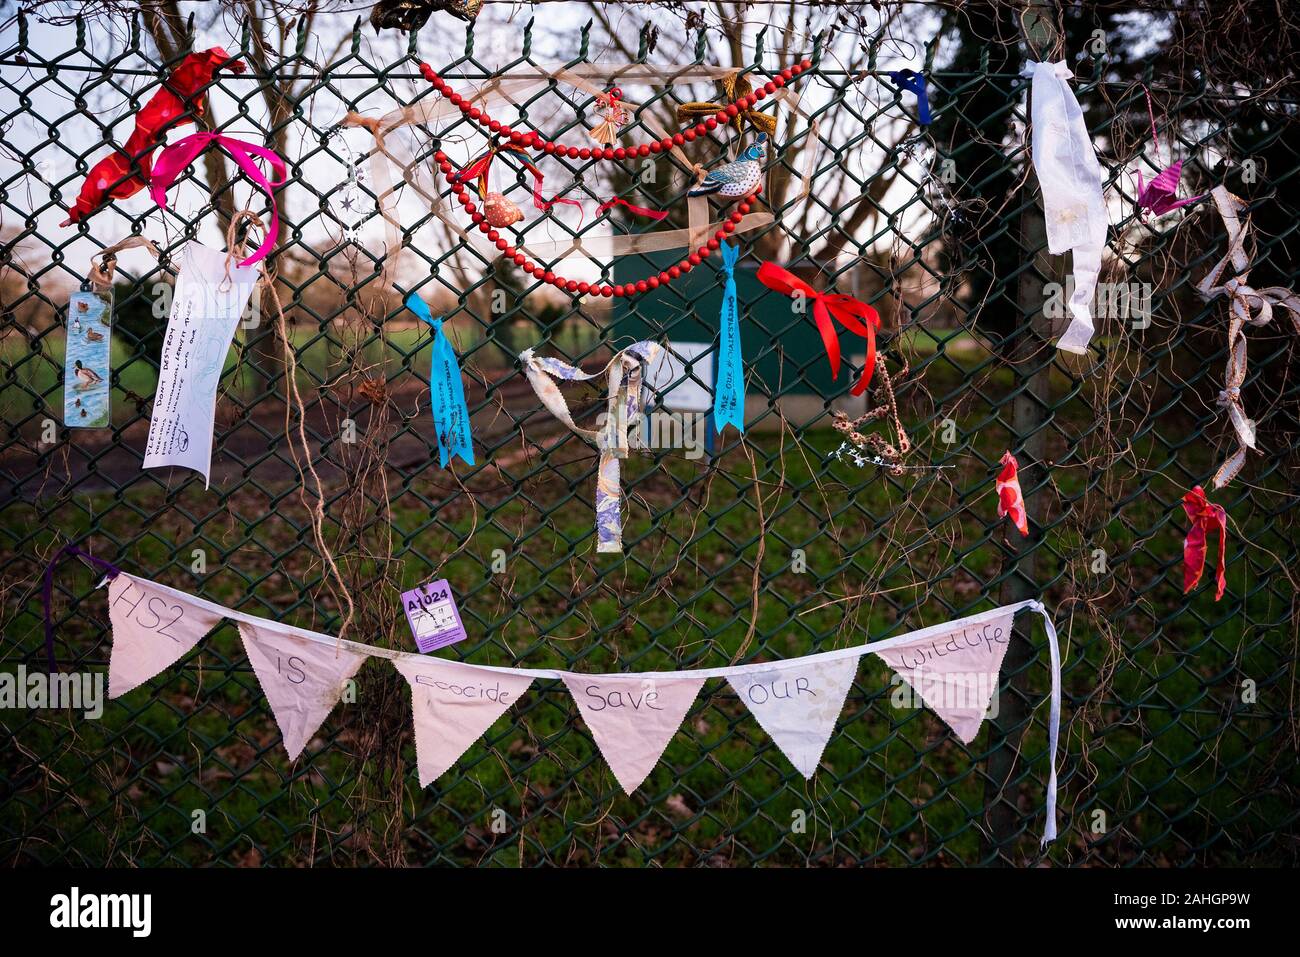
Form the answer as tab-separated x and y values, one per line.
798	704
452	706
633	718
152	630
955	672
302	679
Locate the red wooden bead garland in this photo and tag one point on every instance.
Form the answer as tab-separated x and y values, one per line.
569	285
534	140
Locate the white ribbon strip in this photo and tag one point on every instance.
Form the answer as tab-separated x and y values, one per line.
1070	178
1247	307
1053	717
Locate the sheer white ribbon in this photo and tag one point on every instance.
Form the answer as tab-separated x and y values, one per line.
1070	178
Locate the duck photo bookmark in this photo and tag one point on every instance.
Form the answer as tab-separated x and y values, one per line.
87	360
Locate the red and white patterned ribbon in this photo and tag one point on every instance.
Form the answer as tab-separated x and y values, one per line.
1248	306
1010	499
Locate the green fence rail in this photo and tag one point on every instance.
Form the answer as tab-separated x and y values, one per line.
1179	732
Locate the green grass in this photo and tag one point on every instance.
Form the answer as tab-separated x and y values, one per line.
1158	737
893	787
33	370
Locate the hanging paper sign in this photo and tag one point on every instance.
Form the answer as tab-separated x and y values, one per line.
452	706
303	680
1069	176
432	614
451	420
797	704
87	364
632	718
152	630
729	396
955	672
209	297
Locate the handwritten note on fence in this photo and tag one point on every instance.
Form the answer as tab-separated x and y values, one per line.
209	298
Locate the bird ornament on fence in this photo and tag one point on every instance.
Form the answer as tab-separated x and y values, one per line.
737	179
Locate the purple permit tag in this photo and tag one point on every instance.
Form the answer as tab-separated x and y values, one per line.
433	616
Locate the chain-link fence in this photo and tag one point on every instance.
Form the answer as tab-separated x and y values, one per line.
1179	726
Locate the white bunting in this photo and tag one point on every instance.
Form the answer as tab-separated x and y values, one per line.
797	704
955	672
632	718
303	680
152	630
453	705
953	668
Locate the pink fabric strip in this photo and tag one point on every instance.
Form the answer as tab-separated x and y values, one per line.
177	157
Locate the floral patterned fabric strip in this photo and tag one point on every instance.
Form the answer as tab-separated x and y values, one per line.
618	432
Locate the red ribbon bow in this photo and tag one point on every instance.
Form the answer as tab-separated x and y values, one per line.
1204	517
178	156
126	171
852	314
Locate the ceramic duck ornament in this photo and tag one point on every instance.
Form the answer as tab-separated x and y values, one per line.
737	179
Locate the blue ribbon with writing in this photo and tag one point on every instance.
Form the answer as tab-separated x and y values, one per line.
446	392
914	82
729	389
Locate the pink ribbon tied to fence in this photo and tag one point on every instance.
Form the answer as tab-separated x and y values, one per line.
1205	518
1248	306
177	157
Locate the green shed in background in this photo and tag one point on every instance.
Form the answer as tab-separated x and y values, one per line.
783	353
